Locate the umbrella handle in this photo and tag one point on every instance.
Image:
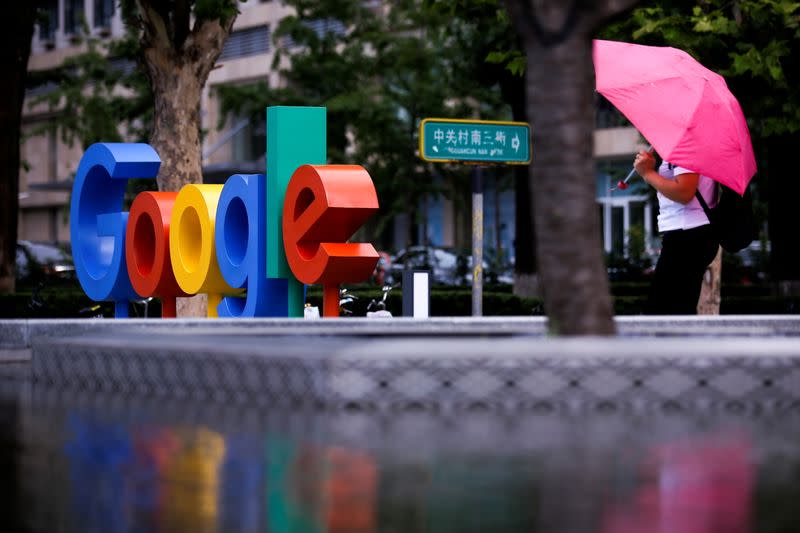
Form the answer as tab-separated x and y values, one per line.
623	183
633	170
629	176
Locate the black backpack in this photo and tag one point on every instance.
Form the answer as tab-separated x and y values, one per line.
732	218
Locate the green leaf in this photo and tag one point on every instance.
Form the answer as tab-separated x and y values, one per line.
703	25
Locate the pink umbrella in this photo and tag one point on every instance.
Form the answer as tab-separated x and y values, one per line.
683	109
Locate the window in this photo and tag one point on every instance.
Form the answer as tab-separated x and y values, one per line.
52	159
622	211
250	143
243	43
103	11
321	27
637	213
123	67
618	230
48	21
73	16
43	88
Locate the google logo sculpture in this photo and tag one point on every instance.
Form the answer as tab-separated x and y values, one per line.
251	244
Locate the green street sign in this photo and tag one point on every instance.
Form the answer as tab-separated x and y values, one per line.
474	141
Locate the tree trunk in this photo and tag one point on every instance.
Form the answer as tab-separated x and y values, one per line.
176	126
573	276
15	49
710	293
558	45
176	138
177	62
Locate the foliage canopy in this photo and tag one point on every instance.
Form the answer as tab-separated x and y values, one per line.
754	44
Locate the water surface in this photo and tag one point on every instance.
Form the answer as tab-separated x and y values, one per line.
81	461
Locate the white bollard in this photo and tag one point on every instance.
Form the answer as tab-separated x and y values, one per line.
416	293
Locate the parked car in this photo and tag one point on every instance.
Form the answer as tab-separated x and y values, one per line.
446	266
495	270
381	275
442	263
38	262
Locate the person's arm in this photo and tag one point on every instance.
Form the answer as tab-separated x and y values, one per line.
681	189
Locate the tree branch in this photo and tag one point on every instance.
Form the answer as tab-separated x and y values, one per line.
521	16
548	23
609	8
204	44
181	21
153	24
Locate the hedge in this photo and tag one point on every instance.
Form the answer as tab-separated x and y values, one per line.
629	299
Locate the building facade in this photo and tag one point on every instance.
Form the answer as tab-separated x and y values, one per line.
50	163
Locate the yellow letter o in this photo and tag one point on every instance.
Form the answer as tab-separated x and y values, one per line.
191	244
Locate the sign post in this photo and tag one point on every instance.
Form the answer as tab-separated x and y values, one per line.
477	241
480	143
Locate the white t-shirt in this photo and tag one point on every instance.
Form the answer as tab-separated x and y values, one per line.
675	215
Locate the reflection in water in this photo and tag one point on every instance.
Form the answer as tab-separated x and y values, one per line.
349	489
162	479
191	481
87	463
293	481
98	455
155	479
10	500
320	489
498	492
153	449
242	497
699	485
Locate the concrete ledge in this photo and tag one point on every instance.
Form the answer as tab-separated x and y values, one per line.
14	334
15	355
453	372
504	362
21	333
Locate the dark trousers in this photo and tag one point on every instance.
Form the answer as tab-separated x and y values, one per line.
685	255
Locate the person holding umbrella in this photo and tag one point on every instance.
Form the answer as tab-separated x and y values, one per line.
688	243
687	113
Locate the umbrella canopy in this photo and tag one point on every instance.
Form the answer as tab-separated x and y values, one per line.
683	109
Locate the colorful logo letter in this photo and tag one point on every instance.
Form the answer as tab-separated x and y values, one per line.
324	206
147	249
97	221
191	244
295	136
241	241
